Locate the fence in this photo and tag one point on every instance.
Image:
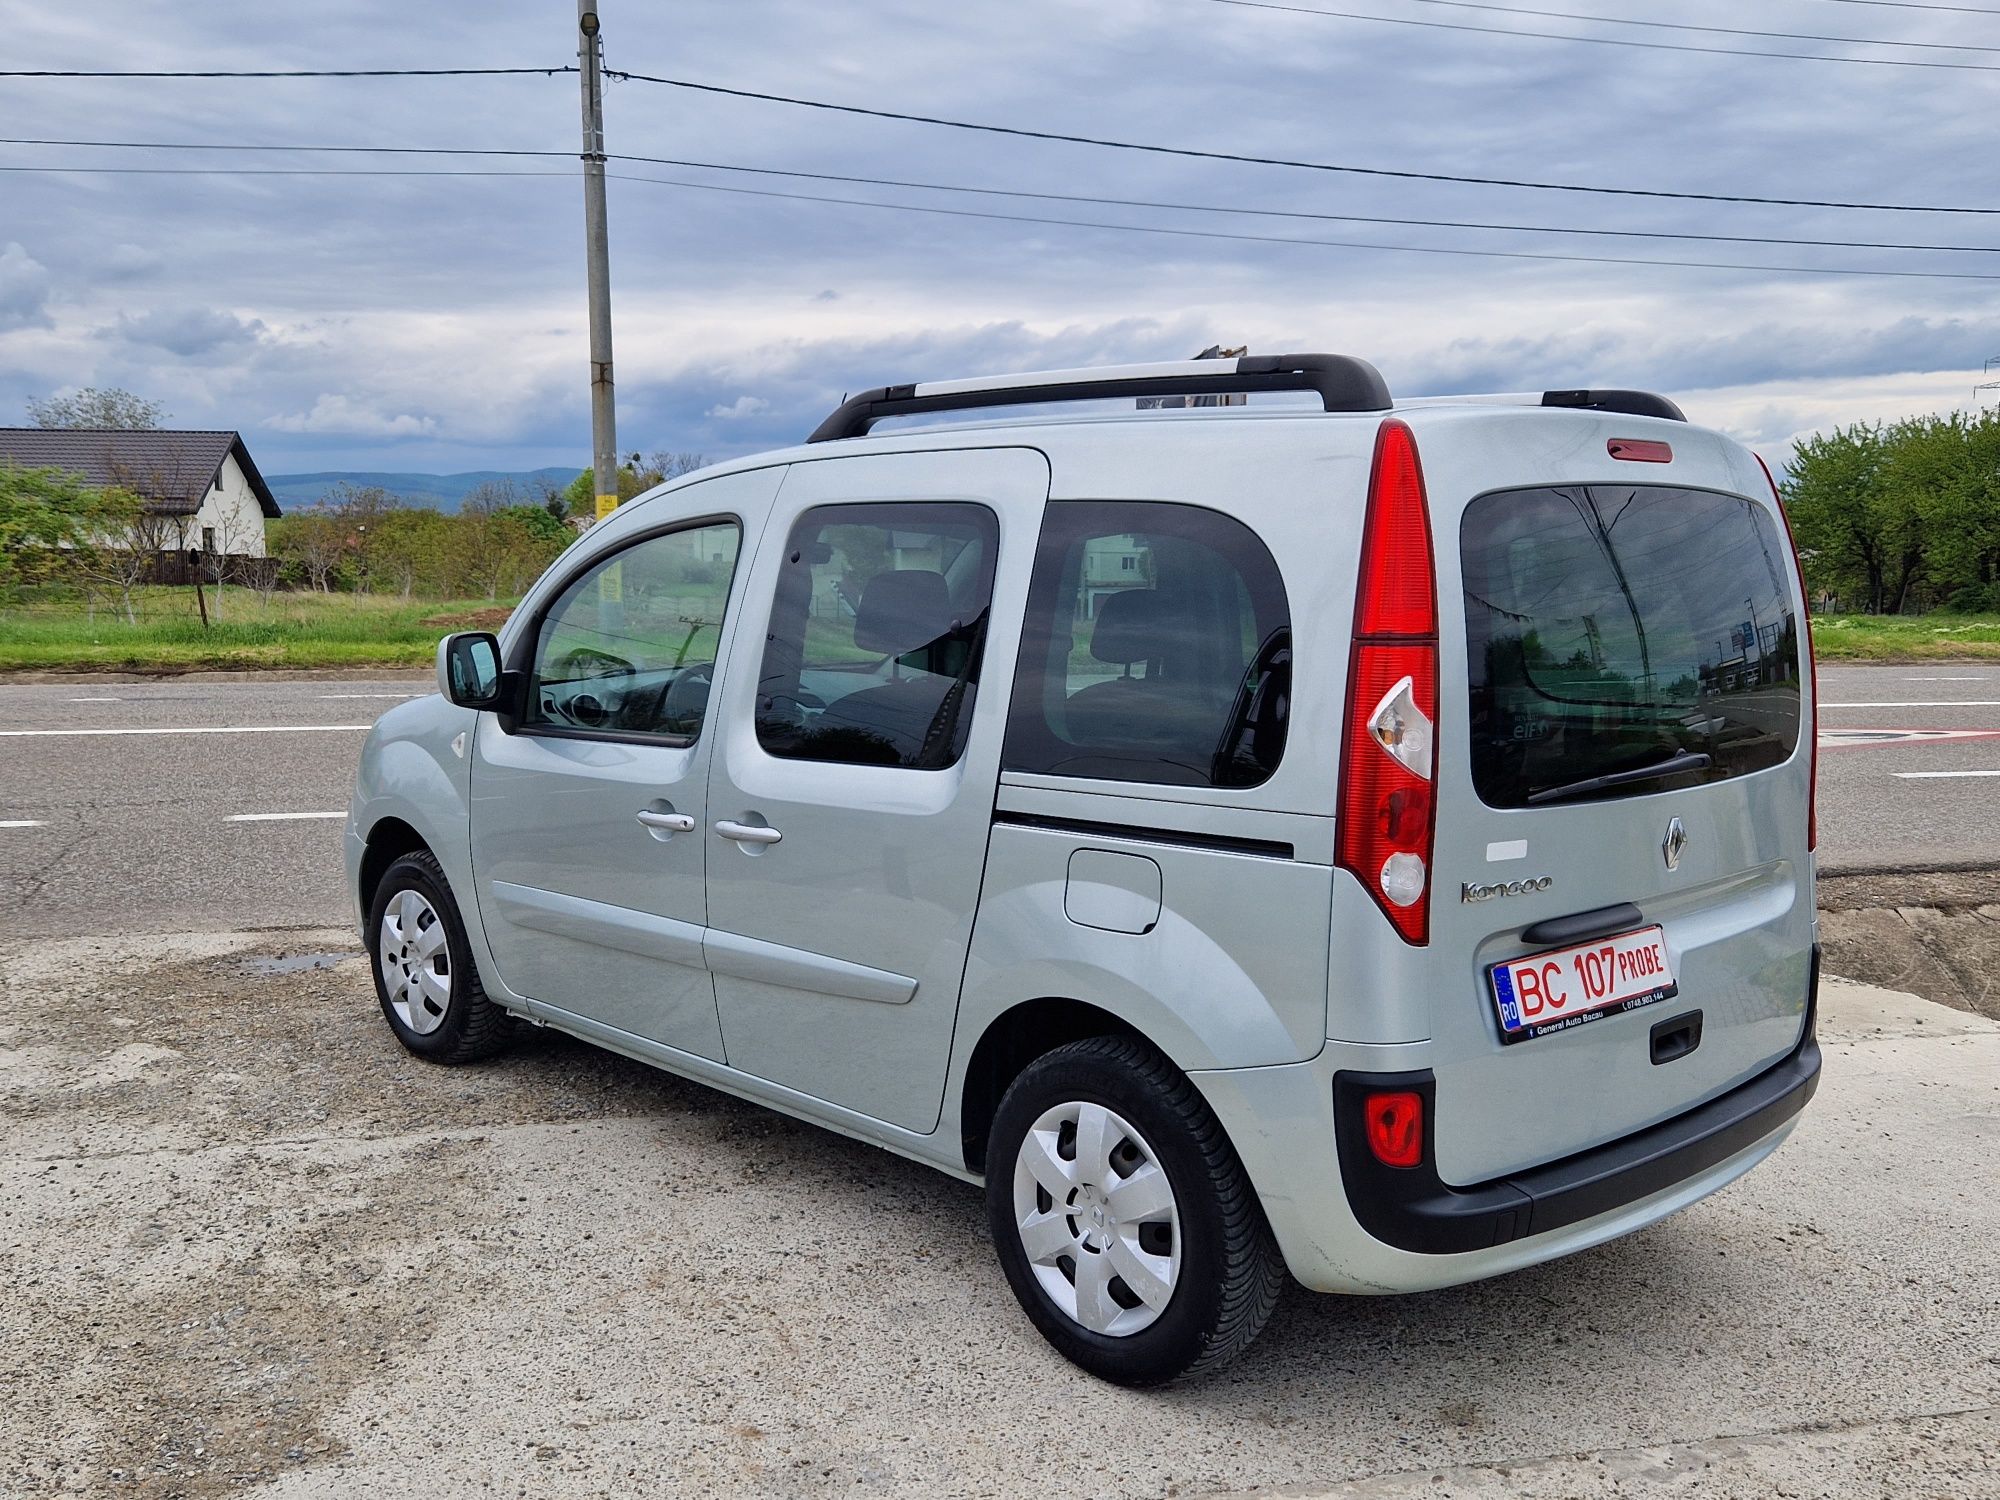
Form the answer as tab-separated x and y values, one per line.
176	568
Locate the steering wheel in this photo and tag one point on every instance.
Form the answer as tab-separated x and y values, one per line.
683	700
588	661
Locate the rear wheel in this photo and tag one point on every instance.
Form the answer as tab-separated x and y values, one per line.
424	975
1122	1217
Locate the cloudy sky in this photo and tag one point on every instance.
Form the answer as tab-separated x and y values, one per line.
437	322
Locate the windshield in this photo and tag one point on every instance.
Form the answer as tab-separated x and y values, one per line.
1610	628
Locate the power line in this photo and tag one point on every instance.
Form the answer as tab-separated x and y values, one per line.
923	186
1964	10
1097	200
1266	239
27	140
338	172
1783	36
1052	221
274	72
1287	213
1609	41
1025	133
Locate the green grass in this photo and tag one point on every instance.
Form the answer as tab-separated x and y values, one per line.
1906	638
348	630
287	631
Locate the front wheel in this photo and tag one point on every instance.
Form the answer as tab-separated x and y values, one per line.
1125	1224
424	975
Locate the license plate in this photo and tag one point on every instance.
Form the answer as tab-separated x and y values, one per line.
1554	991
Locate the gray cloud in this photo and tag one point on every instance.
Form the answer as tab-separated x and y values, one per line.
187	331
438	321
24	289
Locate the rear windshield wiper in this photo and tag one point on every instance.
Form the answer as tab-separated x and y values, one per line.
1673	765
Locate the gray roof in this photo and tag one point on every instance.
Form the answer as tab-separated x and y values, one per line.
170	471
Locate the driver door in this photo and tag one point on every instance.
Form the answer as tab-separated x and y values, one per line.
589	821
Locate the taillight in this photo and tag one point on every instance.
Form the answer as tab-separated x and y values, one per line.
1388	808
1640	451
1394	1123
1805	606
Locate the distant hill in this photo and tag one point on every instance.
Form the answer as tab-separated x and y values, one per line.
443	491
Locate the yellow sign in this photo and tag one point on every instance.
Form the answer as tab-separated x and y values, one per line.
605	505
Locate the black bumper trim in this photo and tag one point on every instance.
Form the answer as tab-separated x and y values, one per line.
1414	1209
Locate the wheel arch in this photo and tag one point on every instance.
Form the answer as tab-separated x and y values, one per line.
1012	1040
389	839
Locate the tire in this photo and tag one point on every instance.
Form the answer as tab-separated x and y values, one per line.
428	985
1215	1269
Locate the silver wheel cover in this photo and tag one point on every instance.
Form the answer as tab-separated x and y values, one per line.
415	962
1097	1218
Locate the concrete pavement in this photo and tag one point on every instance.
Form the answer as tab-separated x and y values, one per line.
251	1244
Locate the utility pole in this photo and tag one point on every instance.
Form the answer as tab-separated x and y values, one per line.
597	252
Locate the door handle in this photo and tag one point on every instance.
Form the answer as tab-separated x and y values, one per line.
666	822
747	833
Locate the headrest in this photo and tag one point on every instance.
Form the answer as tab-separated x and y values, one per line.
1134	625
902	610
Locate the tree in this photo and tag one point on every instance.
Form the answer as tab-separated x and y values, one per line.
635	476
92	407
127	540
411	547
49	521
313	541
1902	517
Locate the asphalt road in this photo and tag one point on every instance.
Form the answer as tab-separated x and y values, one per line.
250	1245
113	820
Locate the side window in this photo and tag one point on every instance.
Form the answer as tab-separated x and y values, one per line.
629	647
876	633
1157	648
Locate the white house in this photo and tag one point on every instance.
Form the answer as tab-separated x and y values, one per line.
202	486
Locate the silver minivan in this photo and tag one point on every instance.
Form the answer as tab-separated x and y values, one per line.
1362	839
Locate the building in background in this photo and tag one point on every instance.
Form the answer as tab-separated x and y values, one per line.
200	490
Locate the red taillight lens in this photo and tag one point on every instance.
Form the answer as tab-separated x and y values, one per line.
1387	811
1398	586
1395	1127
1640	451
1805	606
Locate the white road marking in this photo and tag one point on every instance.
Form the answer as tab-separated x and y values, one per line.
1937	703
1939	775
1944	679
21	823
280	817
371	695
226	729
93	700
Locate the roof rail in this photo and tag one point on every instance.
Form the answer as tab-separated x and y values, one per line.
1626	403
1343	383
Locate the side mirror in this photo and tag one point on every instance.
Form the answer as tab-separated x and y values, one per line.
468	669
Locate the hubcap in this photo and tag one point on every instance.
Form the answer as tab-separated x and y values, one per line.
415	962
1097	1219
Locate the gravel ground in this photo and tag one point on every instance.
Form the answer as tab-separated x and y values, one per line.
250	1245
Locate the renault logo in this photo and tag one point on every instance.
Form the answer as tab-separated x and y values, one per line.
1675	844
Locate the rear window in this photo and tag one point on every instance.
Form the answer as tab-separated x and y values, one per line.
1611	628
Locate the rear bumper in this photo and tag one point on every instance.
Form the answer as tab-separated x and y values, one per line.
1347	1223
1413	1209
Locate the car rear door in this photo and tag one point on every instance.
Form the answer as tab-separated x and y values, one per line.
1626	759
859	730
